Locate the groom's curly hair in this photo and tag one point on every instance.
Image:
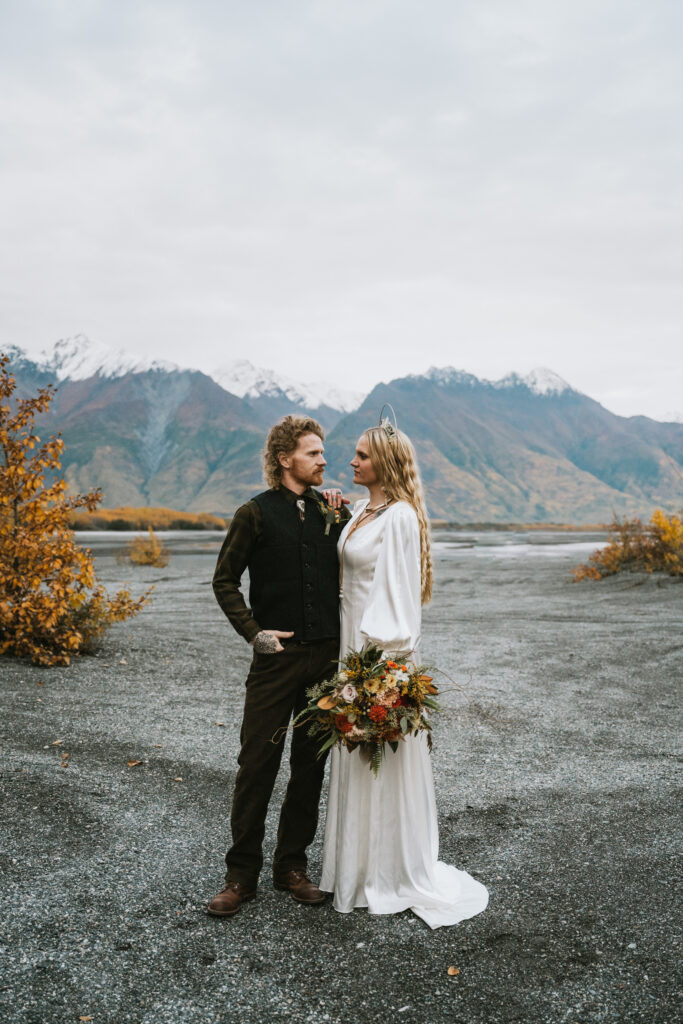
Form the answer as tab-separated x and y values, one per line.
282	440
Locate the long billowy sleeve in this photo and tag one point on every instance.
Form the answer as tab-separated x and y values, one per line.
392	616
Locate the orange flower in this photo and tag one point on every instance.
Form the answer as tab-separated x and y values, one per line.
377	713
392	664
342	723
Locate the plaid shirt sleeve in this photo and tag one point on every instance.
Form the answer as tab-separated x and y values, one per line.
242	535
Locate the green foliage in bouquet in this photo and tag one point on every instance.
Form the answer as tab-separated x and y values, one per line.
370	702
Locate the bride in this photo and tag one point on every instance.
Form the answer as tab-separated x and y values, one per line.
381	837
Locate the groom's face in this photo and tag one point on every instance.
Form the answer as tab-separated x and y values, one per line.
306	464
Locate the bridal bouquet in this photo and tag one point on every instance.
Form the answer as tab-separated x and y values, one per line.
372	701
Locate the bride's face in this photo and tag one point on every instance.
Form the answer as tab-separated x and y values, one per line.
363	470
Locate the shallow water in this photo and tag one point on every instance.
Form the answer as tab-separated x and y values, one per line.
558	545
475	543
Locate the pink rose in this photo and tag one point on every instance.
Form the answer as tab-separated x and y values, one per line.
349	693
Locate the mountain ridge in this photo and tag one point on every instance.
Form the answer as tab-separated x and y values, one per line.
520	449
78	358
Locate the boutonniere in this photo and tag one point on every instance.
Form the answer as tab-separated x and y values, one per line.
331	515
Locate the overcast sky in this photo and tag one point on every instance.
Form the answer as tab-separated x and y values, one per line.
351	189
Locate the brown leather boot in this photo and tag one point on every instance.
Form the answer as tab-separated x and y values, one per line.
301	887
230	898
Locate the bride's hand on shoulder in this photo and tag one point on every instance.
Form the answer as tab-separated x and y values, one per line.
334	497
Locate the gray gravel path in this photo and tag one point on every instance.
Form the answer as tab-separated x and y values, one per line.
555	783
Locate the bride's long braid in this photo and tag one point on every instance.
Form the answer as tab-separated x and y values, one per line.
395	462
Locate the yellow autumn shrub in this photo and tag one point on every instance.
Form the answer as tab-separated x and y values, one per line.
51	604
146	551
635	547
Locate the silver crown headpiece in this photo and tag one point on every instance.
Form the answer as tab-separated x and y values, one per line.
387	426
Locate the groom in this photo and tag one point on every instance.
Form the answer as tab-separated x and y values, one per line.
284	539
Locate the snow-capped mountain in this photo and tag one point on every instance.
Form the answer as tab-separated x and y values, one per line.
244	379
521	449
540	381
79	358
526	448
446	376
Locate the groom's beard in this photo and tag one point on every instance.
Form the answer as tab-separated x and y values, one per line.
313	479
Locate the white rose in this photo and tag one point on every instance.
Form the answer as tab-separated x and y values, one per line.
349	693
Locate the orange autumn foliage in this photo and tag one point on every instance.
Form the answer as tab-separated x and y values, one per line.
127	518
635	547
146	551
51	604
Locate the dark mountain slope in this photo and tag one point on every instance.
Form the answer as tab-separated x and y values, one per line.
517	450
509	453
160	438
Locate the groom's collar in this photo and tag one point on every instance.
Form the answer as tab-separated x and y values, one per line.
292	497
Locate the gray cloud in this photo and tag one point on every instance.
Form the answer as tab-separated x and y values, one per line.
352	190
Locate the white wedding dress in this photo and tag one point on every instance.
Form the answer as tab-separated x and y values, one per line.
381	836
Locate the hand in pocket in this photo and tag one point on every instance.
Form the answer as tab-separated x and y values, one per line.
268	641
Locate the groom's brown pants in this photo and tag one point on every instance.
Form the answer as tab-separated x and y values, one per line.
276	690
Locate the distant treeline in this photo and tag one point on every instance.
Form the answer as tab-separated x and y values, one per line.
126	518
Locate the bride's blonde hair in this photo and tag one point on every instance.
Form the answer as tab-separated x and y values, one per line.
394	460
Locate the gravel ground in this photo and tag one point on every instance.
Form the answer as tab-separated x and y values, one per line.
555	787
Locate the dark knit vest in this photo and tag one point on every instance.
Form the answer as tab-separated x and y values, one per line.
294	570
